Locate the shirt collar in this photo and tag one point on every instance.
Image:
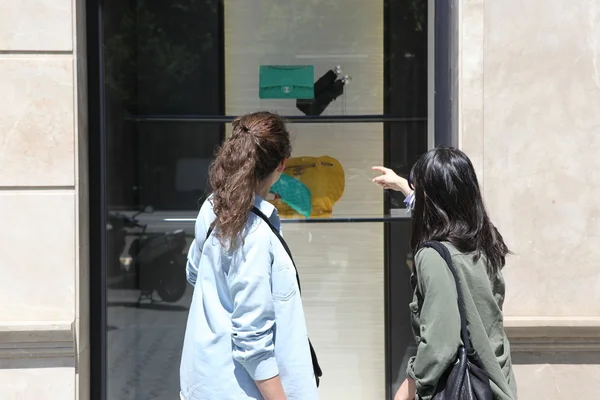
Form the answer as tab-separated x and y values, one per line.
264	206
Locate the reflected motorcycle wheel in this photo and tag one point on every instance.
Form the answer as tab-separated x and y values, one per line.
172	282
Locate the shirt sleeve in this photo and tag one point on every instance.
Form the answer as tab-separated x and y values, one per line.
253	316
203	222
439	323
191	267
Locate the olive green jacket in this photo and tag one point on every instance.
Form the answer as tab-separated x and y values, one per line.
436	321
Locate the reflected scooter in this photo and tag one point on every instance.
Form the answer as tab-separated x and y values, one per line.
153	261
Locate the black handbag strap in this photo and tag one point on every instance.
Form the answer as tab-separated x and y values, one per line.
464	330
313	355
275	231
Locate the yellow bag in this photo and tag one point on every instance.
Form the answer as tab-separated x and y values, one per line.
324	177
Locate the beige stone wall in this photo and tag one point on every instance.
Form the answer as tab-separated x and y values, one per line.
40	202
530	120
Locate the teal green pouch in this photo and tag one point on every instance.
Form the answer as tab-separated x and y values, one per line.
286	82
294	193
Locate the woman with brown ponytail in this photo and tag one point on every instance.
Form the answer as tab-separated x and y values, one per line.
246	335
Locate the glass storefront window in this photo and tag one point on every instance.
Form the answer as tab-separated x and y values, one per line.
174	75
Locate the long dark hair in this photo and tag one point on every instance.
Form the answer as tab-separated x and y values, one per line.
449	207
258	144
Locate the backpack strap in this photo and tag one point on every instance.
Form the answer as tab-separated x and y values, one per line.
445	254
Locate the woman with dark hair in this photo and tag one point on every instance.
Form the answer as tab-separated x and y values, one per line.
443	193
246	335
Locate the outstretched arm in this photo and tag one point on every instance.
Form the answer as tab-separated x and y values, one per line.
390	180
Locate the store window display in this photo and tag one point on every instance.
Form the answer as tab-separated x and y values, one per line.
327	88
332	161
310	187
350	78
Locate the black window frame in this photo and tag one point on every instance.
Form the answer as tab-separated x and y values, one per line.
445	91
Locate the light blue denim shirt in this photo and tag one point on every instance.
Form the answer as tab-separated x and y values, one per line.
246	321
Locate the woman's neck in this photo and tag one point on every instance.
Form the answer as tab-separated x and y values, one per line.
263	190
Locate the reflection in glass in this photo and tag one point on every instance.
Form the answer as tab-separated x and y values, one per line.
198	60
160	58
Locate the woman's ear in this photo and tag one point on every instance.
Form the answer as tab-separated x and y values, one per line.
281	166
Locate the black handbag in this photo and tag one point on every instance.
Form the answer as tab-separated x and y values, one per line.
466	378
313	355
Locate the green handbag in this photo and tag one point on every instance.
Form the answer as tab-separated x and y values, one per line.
286	82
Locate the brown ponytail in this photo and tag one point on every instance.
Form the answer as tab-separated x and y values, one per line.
257	145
